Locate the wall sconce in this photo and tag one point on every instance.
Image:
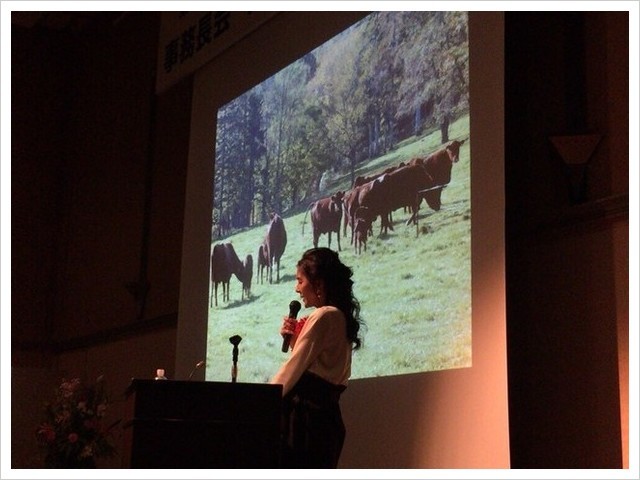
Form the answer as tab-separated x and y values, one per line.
576	152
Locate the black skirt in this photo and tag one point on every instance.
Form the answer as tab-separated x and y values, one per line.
312	428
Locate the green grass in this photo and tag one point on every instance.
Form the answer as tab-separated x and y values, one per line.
415	290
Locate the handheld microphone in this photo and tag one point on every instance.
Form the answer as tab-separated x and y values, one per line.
294	308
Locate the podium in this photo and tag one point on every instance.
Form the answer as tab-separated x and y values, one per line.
182	424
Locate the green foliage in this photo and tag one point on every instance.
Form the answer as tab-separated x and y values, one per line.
387	79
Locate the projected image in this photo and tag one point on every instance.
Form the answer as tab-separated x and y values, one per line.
362	145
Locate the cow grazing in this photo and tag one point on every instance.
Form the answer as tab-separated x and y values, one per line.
224	263
326	215
275	242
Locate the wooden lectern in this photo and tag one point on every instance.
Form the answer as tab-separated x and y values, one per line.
181	424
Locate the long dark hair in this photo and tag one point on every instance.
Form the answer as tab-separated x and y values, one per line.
323	264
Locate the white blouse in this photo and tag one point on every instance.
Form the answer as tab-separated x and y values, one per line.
321	348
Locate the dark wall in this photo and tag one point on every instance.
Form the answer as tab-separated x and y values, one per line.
562	316
98	177
99	171
40	95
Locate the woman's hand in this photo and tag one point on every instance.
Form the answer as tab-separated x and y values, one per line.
288	326
293	327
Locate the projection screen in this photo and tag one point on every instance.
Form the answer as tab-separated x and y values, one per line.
369	129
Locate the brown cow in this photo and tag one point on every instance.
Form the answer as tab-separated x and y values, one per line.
375	202
360	180
247	276
224	263
349	205
439	163
362	224
398	189
326	215
351	198
355	197
275	242
263	262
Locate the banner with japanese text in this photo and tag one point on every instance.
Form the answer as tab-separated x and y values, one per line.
188	40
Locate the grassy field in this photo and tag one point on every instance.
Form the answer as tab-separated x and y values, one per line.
414	286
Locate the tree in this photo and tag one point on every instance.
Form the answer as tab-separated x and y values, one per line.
283	108
339	99
435	81
239	146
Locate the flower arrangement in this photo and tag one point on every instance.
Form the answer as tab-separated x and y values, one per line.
72	433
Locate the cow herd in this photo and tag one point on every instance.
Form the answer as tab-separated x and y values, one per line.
401	186
225	262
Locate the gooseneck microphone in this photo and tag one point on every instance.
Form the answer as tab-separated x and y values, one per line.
200	364
294	308
235	341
